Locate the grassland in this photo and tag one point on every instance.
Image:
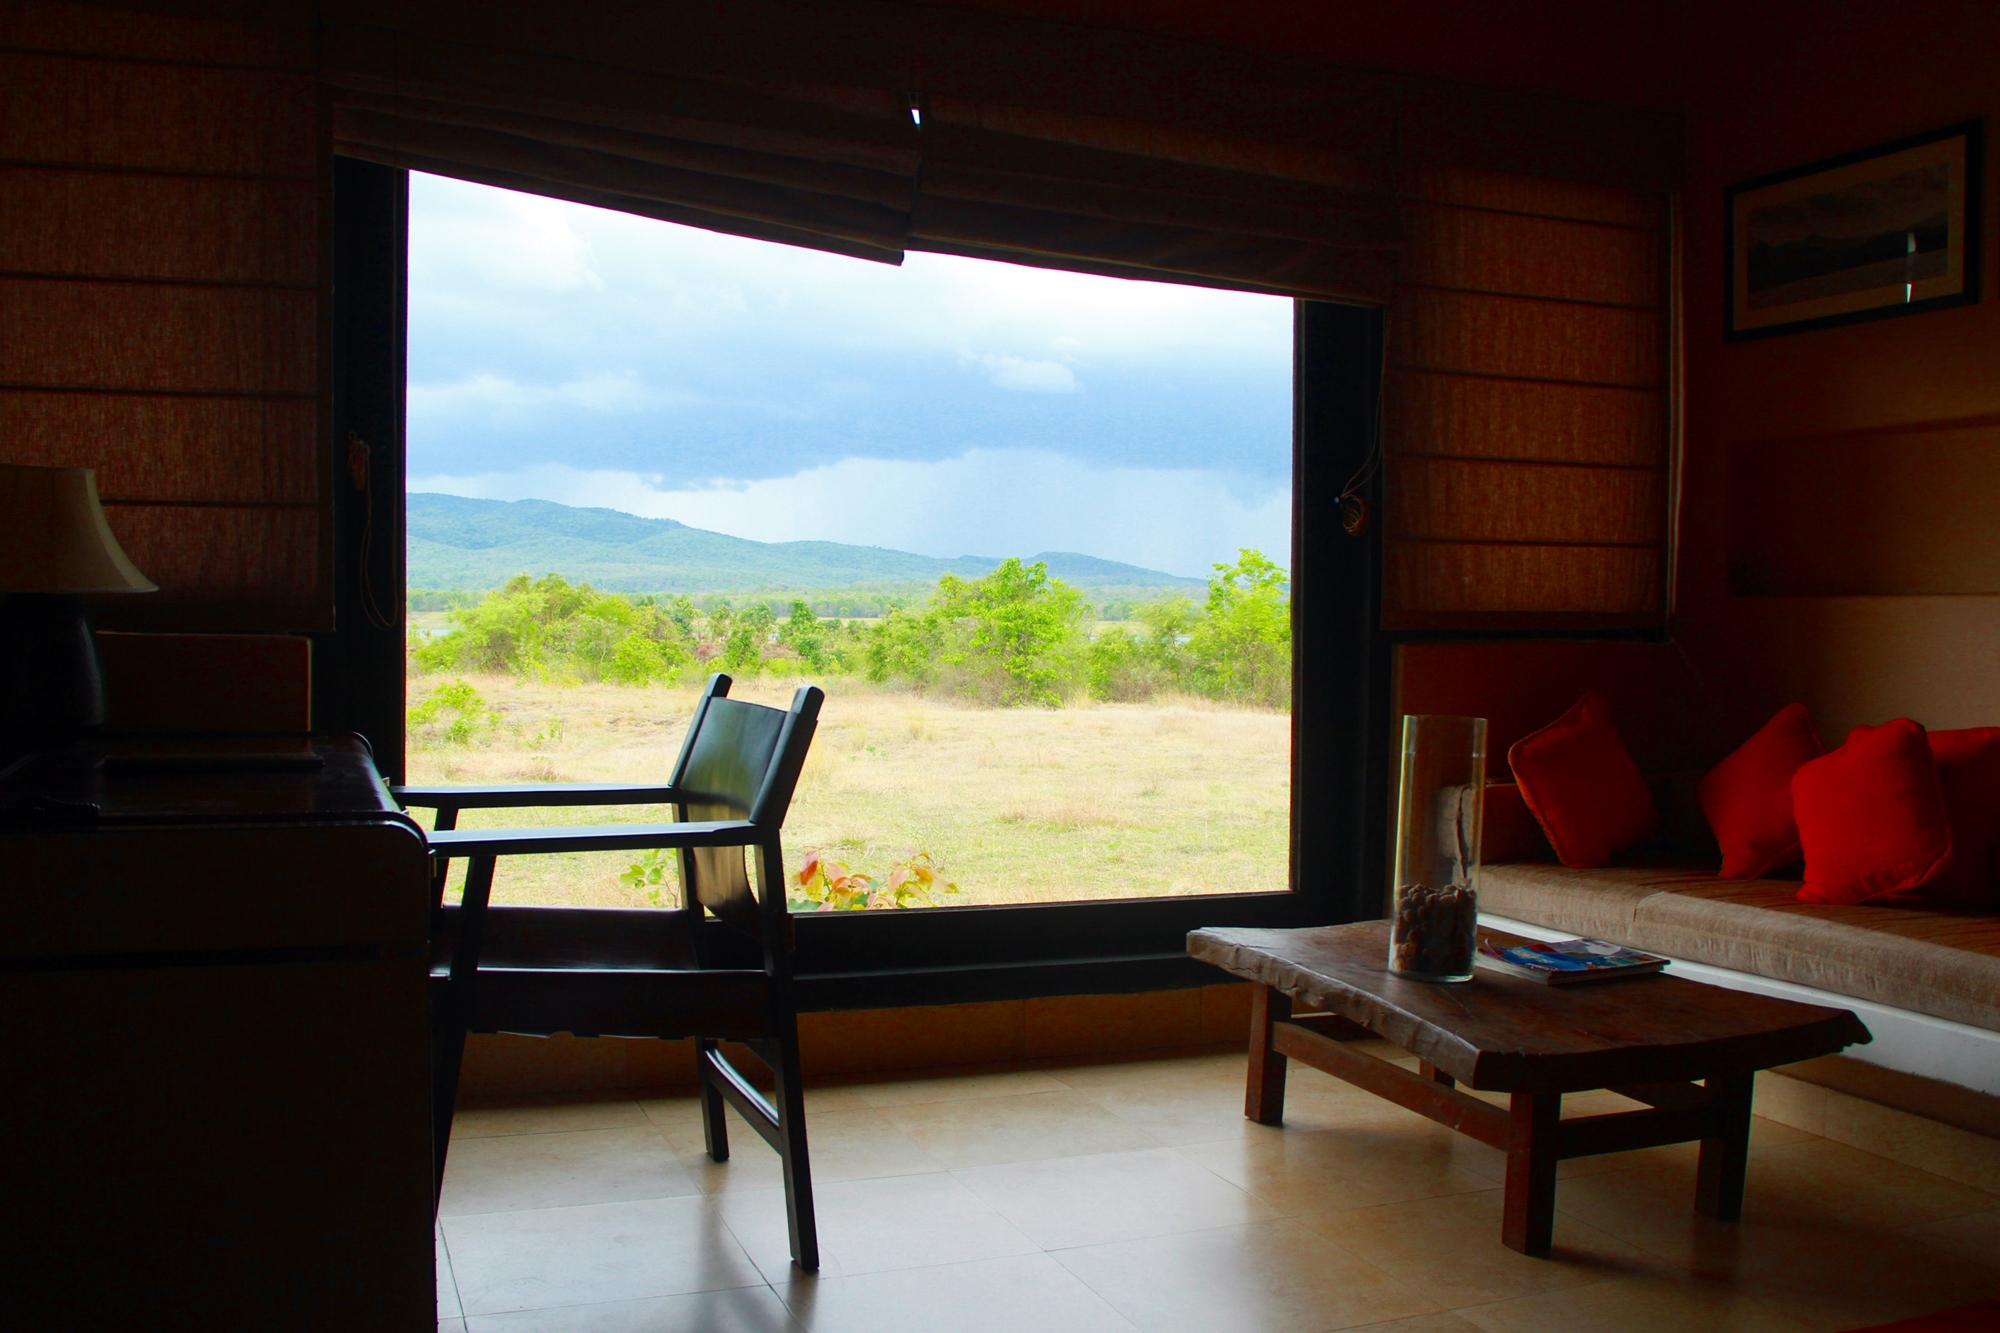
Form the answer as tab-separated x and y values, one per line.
1175	796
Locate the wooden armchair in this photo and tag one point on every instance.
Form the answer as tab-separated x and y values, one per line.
718	968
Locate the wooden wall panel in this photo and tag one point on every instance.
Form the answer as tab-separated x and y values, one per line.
60	221
164	267
1526	418
1901	512
1517	254
188	118
171	447
189	339
1452	579
1484	500
217	553
1481	334
1461	416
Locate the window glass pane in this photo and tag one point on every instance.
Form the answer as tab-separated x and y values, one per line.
1028	529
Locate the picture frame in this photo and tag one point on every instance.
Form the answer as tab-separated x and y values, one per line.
1889	230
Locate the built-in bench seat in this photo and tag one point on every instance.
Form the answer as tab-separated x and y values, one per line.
1929	961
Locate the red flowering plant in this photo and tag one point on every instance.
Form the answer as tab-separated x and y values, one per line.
826	885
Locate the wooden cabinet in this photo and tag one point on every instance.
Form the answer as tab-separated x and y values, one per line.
214	1111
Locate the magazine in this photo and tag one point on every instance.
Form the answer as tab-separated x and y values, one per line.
1566	962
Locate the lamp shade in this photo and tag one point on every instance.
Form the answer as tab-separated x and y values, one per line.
53	536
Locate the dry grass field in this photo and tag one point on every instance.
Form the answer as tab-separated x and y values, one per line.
1016	805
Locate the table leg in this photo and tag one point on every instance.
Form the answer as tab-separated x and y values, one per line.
1534	1122
1264	1097
1725	1154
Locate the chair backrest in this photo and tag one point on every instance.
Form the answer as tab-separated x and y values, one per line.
741	761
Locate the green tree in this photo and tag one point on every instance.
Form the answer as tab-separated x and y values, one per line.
550	627
1024	629
804	635
1242	644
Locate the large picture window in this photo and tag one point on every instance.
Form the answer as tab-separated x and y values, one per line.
1031	530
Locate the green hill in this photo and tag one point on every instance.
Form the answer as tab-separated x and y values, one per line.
479	544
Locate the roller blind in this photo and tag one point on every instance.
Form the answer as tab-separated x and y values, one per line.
1032	141
161	267
1527	412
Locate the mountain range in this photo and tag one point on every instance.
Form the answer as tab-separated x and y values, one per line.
455	542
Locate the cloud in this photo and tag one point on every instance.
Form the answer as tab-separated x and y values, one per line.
502	401
1015	372
543	331
991	502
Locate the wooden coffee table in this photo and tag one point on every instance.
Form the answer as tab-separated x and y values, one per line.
1687	1050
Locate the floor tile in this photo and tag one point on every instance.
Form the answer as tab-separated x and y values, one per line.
1016	1129
451	1325
1306	1171
870	1226
841	1145
1835	1181
1267	1277
1828	1279
1974	1236
1227	1068
1449	1248
674	1108
447	1286
599	1252
543	1117
561	1169
954	1088
1112	1196
1192	1110
741	1310
1024	1294
1634	1305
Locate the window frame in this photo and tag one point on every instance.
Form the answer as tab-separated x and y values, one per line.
1341	682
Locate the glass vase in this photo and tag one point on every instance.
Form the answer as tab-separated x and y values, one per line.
1434	930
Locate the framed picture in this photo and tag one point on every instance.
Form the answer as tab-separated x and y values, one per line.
1890	230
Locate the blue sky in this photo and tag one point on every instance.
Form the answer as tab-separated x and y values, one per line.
948	407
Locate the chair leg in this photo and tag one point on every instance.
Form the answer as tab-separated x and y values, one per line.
791	1100
714	1125
448	1027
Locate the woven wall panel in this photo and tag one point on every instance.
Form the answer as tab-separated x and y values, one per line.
1472	584
1473	333
249	450
1468	500
99	30
1526	425
162	215
157	117
1511	253
218	553
1471	417
120	335
1469	188
190	228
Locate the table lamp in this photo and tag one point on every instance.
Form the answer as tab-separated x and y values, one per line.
54	547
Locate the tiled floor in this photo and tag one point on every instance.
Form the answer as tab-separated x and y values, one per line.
1135	1196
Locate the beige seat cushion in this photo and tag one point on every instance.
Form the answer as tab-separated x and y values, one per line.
1942	963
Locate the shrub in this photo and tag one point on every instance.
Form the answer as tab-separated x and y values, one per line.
549	627
451	714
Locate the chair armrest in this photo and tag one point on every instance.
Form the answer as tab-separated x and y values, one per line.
598	838
537	793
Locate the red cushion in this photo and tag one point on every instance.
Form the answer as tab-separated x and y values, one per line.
1968	766
1581	783
1748	796
1871	816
